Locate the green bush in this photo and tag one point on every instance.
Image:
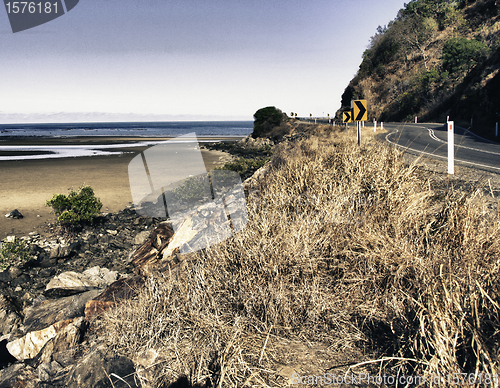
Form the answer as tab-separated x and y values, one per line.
77	207
243	166
265	120
462	54
12	250
194	188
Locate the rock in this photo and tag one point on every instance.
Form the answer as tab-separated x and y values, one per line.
98	370
69	283
10	317
48	370
150	250
63	250
51	311
30	345
119	290
67	338
18	376
141	237
16	214
145	363
250	143
23	279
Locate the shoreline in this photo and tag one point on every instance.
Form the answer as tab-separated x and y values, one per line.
28	184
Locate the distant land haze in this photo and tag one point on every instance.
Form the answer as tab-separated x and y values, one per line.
99	117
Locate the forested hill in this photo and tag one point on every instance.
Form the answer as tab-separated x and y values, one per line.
436	58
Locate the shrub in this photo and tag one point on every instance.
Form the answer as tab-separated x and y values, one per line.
265	120
461	54
13	251
77	207
194	188
244	166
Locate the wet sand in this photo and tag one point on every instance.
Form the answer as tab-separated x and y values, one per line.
27	184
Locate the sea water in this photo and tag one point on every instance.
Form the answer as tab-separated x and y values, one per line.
133	129
203	129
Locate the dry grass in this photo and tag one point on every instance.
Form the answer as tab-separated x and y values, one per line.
348	250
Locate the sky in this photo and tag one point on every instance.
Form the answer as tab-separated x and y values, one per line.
155	60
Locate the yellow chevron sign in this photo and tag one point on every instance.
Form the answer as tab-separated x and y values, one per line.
347	116
360	112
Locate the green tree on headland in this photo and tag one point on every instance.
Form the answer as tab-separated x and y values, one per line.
265	120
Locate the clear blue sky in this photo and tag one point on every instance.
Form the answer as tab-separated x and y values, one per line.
180	59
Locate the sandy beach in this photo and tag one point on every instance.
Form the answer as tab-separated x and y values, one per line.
28	184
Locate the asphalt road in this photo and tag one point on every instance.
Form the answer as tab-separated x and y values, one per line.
431	140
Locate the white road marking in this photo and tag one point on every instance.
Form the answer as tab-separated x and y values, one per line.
438	156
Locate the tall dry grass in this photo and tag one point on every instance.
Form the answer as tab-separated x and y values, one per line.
346	248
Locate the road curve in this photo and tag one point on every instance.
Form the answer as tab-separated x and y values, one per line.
431	140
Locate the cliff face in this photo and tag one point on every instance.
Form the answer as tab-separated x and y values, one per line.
437	58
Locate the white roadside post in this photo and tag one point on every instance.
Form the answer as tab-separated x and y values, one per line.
382	125
359	132
374	125
415	119
496	130
451	144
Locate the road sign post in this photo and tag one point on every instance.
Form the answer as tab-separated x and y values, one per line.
359	114
451	146
358	124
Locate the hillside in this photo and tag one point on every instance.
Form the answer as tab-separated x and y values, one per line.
435	59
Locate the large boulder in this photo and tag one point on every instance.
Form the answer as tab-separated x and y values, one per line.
102	368
51	311
66	339
29	345
69	283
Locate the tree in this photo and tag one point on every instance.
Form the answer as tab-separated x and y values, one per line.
462	54
417	32
265	120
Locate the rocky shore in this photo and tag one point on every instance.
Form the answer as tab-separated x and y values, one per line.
48	303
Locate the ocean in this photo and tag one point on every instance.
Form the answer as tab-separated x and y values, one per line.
212	130
127	129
